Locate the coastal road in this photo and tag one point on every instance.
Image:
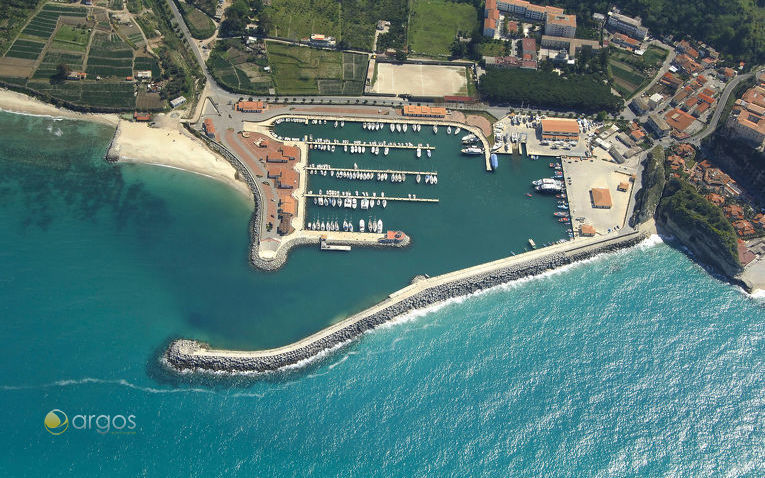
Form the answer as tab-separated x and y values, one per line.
698	137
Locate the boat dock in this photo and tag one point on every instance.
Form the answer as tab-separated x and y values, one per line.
367	144
375	171
312	195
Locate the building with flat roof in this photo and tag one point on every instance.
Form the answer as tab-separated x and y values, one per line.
658	125
176	102
560	25
679	119
601	198
209	128
559	128
517	8
250	106
424	111
631	26
586	230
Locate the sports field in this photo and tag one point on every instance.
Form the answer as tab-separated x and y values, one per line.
309	71
434	24
421	80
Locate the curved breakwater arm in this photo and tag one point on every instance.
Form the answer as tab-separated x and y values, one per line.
192	356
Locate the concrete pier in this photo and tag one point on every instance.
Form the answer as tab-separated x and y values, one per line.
369	144
381	171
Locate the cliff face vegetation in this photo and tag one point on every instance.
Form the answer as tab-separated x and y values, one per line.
652	185
700	224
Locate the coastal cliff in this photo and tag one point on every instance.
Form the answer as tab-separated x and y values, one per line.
700	226
193	356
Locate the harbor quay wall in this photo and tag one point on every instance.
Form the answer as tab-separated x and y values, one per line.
184	356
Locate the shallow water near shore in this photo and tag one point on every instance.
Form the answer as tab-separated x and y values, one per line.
633	363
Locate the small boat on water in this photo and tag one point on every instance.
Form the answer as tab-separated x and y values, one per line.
418	179
419	152
384	203
532	243
342	123
398	128
435	129
428	151
405	127
379	225
529	195
472	150
392	127
385	151
361	225
448	130
469	138
457	131
493	160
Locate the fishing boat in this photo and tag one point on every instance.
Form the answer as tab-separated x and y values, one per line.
563	219
560	214
361	225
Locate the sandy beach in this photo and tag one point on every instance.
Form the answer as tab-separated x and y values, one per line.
167	144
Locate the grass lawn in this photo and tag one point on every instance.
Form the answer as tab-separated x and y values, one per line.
297	19
434	24
71	38
626	80
654	56
302	70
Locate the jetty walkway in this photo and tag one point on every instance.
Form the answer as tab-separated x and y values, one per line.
381	171
314	195
369	144
193	356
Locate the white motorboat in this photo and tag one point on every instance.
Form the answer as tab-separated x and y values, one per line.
428	151
361	225
392	127
385	152
419	152
457	131
448	130
405	127
398	128
435	129
342	123
379	225
384	203
354	203
418	179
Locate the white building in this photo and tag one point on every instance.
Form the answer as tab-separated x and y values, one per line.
177	101
627	25
560	25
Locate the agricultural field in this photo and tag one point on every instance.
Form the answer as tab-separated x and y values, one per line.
102	94
110	57
52	59
44	23
14	15
26	49
148	24
301	70
297	19
238	70
434	25
132	33
200	25
71	38
147	63
629	72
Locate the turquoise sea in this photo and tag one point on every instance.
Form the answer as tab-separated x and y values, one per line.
634	363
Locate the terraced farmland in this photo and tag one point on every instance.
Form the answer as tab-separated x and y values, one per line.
147	63
110	57
44	23
302	70
103	94
26	49
52	59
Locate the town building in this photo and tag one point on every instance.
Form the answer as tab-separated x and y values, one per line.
570	44
586	230
655	100
658	125
639	106
141	117
560	25
559	129
747	119
715	199
679	119
490	19
250	106
624	41
520	9
628	25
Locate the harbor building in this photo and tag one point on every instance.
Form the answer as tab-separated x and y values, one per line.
560	25
601	198
559	129
250	106
425	111
628	25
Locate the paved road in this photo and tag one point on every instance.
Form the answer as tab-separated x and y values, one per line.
712	125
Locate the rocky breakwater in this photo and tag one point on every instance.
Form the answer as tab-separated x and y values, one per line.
193	356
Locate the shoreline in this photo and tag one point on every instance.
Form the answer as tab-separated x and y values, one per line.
166	145
185	356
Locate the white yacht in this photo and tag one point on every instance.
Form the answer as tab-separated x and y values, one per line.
405	127
384	203
448	130
385	152
419	152
435	129
361	225
392	127
418	179
398	127
379	225
457	131
428	151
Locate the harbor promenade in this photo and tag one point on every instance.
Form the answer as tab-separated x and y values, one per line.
193	356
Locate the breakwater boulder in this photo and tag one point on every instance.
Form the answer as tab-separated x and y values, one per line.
193	356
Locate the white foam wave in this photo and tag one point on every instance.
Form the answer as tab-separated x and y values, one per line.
92	380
